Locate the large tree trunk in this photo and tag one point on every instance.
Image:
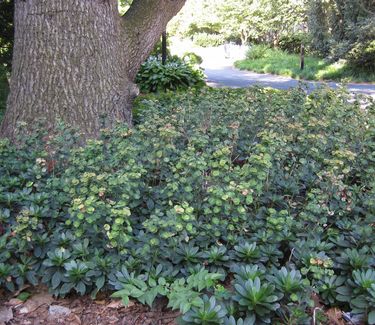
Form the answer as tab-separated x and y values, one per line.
76	60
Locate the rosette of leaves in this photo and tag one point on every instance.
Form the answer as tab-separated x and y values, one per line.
80	249
296	293
216	255
290	283
64	239
216	258
54	268
77	277
133	264
328	288
359	292
271	254
209	313
353	259
257	299
248	272
100	269
248	253
165	270
187	253
26	270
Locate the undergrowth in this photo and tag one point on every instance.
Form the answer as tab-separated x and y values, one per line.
236	205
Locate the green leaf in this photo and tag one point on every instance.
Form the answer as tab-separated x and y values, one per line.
81	288
100	282
66	287
185	307
120	293
23	296
56	280
371	317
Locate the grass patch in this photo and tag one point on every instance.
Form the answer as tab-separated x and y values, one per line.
281	63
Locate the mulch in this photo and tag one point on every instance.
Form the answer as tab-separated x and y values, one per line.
81	311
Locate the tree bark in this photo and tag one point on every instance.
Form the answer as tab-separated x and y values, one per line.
76	61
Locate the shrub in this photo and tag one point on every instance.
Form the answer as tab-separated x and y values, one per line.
271	192
292	43
174	75
192	58
257	52
207	40
362	56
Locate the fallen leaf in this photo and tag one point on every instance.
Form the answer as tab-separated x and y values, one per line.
335	316
115	304
74	320
38	300
100	302
14	302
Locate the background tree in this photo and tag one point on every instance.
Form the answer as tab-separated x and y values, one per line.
344	29
76	60
241	21
6	33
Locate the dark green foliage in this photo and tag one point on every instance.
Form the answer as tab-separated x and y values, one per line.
174	75
6	33
362	56
344	29
257	299
271	191
192	58
257	52
4	90
292	43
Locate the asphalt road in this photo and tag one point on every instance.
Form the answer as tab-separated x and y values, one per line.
221	73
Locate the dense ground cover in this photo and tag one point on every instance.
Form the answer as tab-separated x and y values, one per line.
234	204
278	62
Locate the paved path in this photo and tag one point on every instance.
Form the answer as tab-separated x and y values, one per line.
221	73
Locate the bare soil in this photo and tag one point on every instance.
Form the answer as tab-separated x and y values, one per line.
75	310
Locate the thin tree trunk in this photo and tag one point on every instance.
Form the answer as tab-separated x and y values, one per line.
302	57
76	60
164	48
